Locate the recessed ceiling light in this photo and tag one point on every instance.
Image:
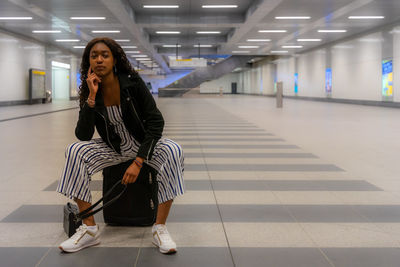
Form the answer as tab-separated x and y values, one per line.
87	18
132	52
128	46
16	18
366	17
67	40
160	6
294	17
60	65
332	31
238	52
279	51
219	6
168	32
46	31
172	46
79	46
139	55
309	40
292	46
248	46
112	31
272	31
202	45
258	40
122	40
208	32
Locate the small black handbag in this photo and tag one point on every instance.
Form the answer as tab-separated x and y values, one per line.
73	218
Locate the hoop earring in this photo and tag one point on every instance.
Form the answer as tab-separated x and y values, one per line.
115	69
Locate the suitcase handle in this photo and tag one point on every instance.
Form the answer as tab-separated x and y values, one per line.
84	214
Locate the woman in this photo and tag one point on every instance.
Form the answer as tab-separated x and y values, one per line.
115	101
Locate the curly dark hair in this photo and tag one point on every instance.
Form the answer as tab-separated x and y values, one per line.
122	64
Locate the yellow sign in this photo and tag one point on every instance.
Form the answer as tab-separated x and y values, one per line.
38	72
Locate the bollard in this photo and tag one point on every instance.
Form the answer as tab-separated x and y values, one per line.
279	95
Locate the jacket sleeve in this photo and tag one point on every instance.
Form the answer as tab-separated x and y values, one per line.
85	127
152	119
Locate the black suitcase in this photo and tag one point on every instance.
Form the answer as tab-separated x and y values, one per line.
138	205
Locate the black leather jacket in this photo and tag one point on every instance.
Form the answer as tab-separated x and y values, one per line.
139	113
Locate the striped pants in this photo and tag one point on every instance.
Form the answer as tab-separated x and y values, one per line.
85	158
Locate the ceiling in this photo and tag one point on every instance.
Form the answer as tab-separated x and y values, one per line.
235	26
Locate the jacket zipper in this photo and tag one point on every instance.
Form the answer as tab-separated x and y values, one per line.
134	110
137	116
108	139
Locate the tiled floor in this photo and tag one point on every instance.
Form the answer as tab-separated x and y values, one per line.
312	184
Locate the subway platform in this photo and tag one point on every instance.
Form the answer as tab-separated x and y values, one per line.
311	184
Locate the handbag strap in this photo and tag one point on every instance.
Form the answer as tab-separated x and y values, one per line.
84	214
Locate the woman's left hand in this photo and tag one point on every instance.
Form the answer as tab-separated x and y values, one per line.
131	174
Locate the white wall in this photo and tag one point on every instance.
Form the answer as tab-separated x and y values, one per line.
285	74
17	56
311	70
356	69
224	82
396	63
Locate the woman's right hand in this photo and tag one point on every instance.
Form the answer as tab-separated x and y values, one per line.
93	82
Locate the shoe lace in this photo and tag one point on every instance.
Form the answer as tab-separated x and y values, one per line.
164	234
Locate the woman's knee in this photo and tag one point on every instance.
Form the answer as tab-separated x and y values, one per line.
72	150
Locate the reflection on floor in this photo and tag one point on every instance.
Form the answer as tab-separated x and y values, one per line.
312	184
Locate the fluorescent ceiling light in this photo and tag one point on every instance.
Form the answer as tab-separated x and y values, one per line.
122	40
128	46
258	40
60	65
160	6
219	6
87	18
292	46
16	18
46	31
143	59
309	40
112	31
172	46
295	17
68	40
272	31
366	17
139	55
238	52
279	51
208	32
248	46
132	52
202	45
332	31
168	32
79	46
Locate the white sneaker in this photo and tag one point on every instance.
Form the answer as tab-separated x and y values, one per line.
83	238
162	239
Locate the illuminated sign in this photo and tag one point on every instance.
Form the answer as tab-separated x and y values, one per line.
387	78
328	80
296	83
